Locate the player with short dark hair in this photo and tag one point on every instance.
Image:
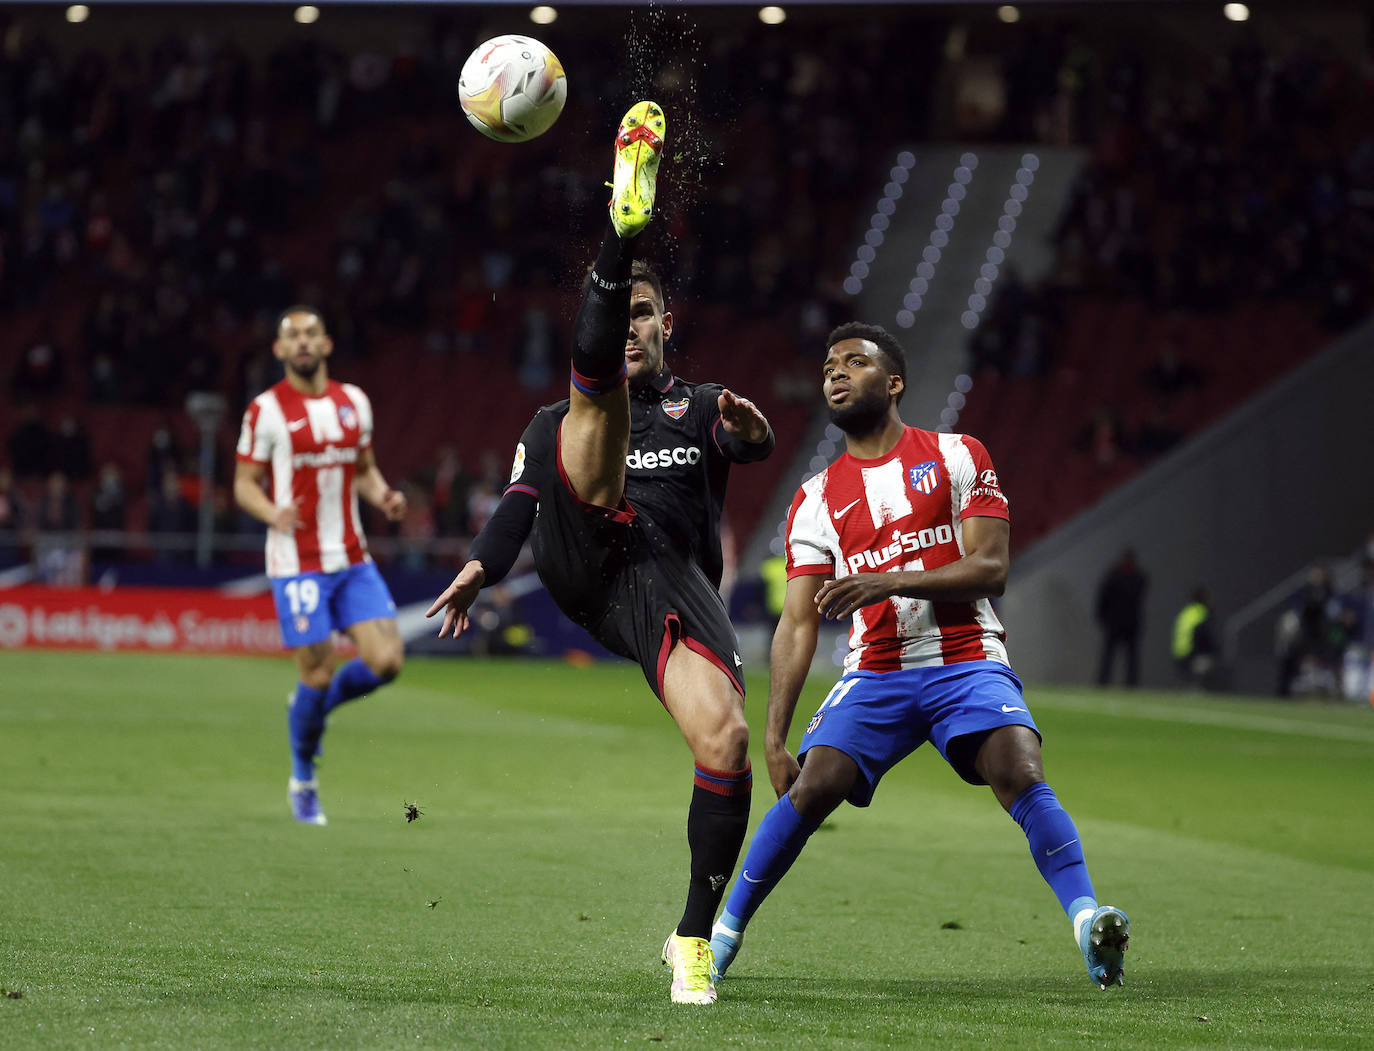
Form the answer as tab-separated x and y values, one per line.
906	534
314	436
628	477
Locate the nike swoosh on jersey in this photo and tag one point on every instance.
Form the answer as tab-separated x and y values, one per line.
844	510
296	425
1012	708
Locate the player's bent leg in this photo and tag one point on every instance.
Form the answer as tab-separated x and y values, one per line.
707	708
593	441
1010	761
379	646
827	778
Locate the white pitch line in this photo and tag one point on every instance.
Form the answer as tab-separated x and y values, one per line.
1203	717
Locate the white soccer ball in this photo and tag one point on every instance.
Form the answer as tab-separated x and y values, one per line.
512	88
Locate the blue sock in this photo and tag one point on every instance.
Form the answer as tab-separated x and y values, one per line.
305	727
353	679
777	842
1054	845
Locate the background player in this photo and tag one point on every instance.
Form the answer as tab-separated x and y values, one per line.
907	535
315	437
628	476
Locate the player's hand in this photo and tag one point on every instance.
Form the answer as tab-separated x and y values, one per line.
394	505
840	598
742	418
457	598
287	519
783	769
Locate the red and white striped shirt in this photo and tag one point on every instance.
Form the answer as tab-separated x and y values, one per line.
312	443
903	511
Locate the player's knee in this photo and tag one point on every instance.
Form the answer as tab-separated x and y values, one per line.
1010	782
317	677
386	665
727	746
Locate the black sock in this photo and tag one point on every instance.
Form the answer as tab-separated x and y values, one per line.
716	823
603	319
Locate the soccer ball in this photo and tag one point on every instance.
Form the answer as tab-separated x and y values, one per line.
512	88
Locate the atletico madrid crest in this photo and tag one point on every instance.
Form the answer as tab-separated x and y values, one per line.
925	477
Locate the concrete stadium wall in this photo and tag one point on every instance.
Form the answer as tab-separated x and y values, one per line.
1285	480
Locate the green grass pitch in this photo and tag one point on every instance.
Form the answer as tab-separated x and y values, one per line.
155	893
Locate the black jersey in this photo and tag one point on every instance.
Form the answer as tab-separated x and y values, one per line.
675	471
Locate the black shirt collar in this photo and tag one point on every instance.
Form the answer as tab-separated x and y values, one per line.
658	386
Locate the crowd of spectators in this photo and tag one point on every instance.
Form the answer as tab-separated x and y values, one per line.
174	192
1211	183
1324	636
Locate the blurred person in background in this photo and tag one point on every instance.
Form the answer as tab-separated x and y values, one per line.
1120	615
109	507
1194	640
312	436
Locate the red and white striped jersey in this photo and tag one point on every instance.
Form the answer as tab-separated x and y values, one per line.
312	444
902	511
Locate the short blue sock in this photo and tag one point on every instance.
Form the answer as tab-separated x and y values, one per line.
305	727
352	680
1054	844
777	842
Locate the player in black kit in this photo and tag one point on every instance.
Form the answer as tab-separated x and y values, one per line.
622	486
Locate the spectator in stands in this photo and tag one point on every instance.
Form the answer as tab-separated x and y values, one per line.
12	518
415	532
536	349
39	371
1171	373
164	454
30	446
171	515
1318	611
57	511
1157	433
1120	615
1102	438
71	449
109	507
1194	643
57	552
449	494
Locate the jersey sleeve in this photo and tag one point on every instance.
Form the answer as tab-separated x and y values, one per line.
255	437
980	494
810	539
363	404
534	455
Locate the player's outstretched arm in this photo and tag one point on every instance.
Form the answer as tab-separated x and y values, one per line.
742	419
794	644
494	552
458	598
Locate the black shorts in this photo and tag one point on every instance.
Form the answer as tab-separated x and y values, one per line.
615	573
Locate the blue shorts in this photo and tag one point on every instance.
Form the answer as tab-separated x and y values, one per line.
880	718
312	605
